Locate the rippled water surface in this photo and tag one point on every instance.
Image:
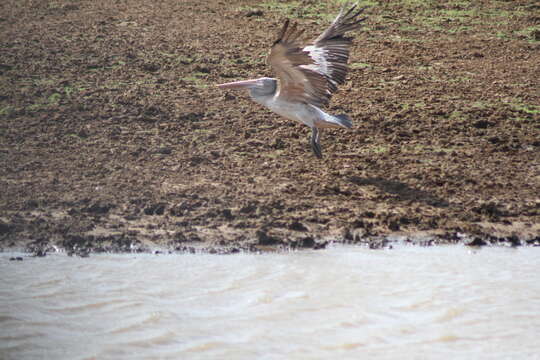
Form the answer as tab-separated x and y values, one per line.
343	302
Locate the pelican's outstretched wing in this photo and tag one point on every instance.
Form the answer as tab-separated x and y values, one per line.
311	74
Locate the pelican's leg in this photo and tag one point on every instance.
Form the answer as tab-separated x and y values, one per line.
315	144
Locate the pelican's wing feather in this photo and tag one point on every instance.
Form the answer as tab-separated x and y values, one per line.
288	60
311	74
330	51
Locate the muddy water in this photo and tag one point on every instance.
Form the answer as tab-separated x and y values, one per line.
343	302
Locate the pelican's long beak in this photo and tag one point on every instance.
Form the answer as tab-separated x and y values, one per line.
239	84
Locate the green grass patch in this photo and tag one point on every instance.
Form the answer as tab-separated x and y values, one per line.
501	35
180	59
415	4
117	65
380	149
412	106
457	115
376	149
298	10
6	110
274	154
54	99
360	66
481	105
459	29
318	10
196	79
531	33
526	108
47	103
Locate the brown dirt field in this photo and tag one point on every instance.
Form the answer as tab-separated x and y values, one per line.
113	136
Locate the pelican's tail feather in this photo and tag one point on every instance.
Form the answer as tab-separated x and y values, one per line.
343	120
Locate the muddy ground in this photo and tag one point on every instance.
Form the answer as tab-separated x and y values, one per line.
113	136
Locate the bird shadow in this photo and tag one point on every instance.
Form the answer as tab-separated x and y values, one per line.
403	191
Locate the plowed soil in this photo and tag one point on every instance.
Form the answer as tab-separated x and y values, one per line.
113	136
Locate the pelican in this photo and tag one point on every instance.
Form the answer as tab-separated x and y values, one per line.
307	76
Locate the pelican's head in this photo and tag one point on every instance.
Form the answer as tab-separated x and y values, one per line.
258	87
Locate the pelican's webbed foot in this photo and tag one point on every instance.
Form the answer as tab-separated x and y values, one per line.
315	144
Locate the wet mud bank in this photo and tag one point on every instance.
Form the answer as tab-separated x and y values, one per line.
114	138
46	234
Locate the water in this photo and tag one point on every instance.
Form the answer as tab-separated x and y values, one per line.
343	302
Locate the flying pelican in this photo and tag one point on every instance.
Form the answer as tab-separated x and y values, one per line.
307	76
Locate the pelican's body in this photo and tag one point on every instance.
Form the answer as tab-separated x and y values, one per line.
307	76
303	113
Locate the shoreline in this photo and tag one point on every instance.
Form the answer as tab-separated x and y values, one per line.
87	247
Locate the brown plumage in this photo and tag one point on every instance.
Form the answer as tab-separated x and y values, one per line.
311	74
